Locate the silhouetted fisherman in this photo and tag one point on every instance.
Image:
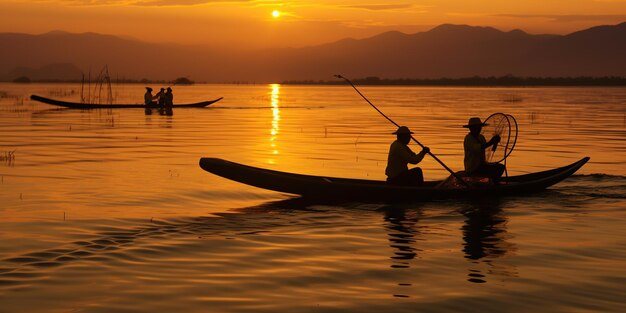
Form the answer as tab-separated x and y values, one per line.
169	102
160	96
474	146
147	98
400	155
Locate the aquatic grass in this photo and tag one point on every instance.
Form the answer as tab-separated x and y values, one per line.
532	117
62	92
19	106
110	121
512	98
7	95
8	157
20	103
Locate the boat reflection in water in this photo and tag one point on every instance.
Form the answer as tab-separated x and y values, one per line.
485	239
484	232
402	231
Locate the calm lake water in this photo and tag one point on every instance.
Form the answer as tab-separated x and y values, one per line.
108	210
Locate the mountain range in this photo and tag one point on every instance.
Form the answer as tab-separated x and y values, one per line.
444	51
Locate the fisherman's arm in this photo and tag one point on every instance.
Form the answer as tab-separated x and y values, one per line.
413	158
493	141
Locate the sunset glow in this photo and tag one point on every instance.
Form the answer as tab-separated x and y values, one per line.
246	23
240	156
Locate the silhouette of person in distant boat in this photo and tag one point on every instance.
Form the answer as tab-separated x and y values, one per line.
147	98
400	155
160	96
169	101
474	146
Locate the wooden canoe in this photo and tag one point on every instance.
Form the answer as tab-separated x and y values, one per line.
86	106
330	188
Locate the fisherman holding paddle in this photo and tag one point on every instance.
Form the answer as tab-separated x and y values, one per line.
400	155
425	149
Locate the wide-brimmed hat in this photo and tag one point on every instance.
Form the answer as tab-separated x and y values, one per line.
474	121
402	130
149	89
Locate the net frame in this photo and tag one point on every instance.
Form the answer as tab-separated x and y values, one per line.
504	125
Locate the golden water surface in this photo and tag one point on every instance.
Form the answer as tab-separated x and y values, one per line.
108	210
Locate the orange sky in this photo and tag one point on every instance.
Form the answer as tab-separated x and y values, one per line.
244	23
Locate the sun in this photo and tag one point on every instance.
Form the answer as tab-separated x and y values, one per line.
275	14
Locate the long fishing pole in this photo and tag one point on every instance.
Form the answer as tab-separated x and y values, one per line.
397	125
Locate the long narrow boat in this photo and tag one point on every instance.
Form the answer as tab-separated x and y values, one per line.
359	189
86	106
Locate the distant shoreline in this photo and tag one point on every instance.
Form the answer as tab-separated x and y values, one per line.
476	81
181	81
502	81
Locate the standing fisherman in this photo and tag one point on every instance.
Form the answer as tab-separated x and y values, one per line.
147	98
161	100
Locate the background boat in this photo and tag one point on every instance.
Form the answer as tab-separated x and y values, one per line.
77	105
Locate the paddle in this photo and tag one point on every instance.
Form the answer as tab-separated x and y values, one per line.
397	125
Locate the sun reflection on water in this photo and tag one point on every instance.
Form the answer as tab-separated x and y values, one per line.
275	93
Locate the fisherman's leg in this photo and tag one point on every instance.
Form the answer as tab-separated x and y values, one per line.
494	171
416	176
500	169
403	179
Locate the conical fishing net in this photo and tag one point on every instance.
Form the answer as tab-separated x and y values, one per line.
505	126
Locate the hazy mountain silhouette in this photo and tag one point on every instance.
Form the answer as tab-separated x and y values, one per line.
58	71
90	52
444	51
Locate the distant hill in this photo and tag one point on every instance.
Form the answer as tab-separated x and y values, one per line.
445	51
90	52
50	72
463	51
